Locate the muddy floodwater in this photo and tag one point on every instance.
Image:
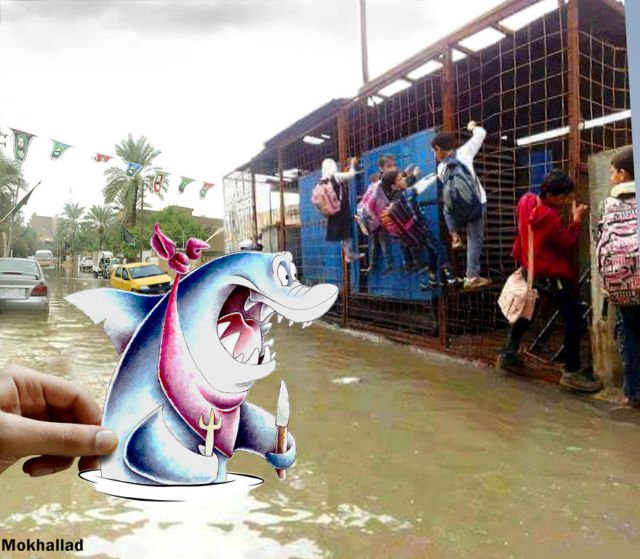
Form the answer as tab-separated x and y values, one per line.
425	458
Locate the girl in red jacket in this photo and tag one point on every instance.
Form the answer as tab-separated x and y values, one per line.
555	275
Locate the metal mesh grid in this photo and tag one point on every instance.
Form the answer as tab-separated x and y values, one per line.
521	90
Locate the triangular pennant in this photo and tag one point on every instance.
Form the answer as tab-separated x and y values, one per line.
127	237
205	188
101	158
159	179
184	182
58	149
21	144
133	169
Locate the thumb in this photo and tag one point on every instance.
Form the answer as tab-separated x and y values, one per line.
28	437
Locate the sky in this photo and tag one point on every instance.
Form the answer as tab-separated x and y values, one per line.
206	82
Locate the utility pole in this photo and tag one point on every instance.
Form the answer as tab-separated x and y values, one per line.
363	41
141	218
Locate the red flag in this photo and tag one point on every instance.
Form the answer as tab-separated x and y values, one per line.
101	157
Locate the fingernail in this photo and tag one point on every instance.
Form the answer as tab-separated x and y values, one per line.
39	471
106	441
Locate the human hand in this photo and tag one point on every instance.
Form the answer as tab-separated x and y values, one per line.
52	420
353	161
578	211
472	124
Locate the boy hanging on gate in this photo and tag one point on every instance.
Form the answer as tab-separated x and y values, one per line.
457	165
619	267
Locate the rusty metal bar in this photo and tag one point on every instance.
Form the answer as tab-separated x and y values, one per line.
573	93
363	41
496	15
342	158
283	238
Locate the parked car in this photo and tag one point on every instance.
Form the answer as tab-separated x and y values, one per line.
86	264
45	259
140	278
23	285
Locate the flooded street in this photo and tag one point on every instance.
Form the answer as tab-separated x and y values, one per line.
423	458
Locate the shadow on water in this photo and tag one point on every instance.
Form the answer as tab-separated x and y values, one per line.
424	457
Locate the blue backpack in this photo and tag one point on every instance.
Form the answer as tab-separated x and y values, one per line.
461	193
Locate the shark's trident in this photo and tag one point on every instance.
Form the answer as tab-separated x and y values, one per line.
210	428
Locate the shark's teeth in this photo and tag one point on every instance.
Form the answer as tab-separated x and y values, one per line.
273	356
265	328
249	303
267	355
239	357
230	342
307	324
222	328
268	343
265	312
255	356
280	317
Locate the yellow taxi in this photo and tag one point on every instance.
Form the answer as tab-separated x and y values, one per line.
138	277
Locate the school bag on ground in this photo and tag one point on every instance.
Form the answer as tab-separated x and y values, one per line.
324	197
617	251
461	193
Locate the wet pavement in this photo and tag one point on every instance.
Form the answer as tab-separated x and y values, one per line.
423	458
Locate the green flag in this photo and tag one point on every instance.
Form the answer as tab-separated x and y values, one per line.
159	179
127	237
21	144
20	204
184	181
58	149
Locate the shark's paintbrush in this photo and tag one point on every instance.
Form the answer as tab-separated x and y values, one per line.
282	422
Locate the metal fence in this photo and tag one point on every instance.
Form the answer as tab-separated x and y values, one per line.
548	81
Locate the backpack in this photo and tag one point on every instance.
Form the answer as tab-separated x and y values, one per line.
324	197
617	251
399	221
461	193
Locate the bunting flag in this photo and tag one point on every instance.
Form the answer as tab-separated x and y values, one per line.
21	144
159	179
20	204
133	169
22	141
205	188
101	157
127	237
184	181
58	149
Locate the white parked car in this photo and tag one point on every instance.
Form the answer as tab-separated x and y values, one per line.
86	264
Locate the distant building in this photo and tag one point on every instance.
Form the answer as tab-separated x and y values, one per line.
45	228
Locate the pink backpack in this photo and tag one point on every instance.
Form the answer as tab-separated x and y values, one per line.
617	251
325	199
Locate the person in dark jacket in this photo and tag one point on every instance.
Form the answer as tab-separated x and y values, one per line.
555	274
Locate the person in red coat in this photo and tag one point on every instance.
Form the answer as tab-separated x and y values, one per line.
555	274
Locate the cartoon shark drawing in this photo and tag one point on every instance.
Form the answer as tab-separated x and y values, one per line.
177	399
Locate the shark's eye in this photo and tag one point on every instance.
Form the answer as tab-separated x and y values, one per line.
283	275
293	271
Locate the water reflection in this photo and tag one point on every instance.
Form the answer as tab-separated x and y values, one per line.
418	457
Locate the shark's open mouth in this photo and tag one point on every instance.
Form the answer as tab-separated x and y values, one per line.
243	325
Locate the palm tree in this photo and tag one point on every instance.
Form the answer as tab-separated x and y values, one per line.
11	182
129	191
70	223
100	217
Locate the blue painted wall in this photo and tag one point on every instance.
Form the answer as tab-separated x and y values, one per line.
321	260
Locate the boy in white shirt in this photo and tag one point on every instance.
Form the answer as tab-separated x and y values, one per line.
444	148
